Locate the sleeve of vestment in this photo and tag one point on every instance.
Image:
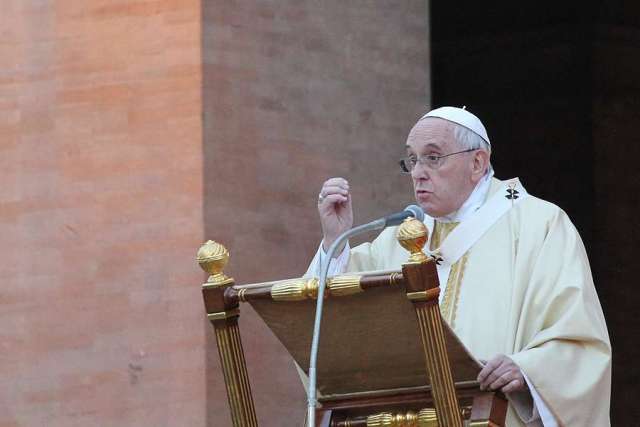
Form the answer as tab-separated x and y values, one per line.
565	350
368	256
338	265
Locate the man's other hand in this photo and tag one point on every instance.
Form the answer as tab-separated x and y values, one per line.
501	373
334	207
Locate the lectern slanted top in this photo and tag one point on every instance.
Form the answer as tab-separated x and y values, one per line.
370	341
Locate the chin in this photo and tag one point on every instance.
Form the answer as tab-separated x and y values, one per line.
428	209
429	206
431	210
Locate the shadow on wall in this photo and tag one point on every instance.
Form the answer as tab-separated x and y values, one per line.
294	93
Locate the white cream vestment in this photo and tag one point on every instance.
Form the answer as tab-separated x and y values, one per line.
523	288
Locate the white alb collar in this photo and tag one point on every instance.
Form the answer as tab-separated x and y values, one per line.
473	202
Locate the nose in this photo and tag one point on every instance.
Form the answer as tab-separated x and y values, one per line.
419	172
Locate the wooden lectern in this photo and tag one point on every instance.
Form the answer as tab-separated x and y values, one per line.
380	331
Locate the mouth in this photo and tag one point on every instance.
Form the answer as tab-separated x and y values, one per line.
423	194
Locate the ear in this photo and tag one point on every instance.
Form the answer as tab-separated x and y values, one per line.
479	165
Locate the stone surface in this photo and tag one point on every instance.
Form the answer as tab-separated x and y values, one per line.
108	190
294	93
131	131
101	214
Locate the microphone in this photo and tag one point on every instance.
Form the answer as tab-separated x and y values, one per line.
397	218
378	224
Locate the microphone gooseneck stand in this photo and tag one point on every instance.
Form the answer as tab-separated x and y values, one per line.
378	224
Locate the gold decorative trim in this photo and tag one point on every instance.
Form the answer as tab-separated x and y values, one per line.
344	285
223	314
438	367
417	258
449	306
241	294
428	295
236	379
425	418
394	279
417	296
440	232
413	236
212	258
295	290
387	419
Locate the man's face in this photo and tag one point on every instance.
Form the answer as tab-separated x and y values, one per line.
443	190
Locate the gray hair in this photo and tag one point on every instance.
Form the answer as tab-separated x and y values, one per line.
468	139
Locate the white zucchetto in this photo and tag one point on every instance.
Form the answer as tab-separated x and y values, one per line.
461	117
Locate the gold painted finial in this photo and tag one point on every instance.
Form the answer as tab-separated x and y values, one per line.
425	418
213	257
295	289
413	236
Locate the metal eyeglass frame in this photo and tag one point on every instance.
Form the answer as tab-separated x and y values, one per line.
407	164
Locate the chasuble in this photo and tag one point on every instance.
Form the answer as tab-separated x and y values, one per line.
524	289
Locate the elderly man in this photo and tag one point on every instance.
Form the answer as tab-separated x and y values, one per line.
517	286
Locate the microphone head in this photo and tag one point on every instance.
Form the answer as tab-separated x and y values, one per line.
416	212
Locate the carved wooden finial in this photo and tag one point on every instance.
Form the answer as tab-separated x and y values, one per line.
413	235
213	257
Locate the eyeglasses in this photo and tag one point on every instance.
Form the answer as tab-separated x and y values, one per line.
432	161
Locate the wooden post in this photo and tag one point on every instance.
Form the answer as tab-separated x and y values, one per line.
489	410
212	257
423	289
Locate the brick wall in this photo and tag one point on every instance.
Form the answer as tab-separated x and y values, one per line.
100	213
106	183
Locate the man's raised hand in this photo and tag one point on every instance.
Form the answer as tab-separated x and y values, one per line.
334	207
